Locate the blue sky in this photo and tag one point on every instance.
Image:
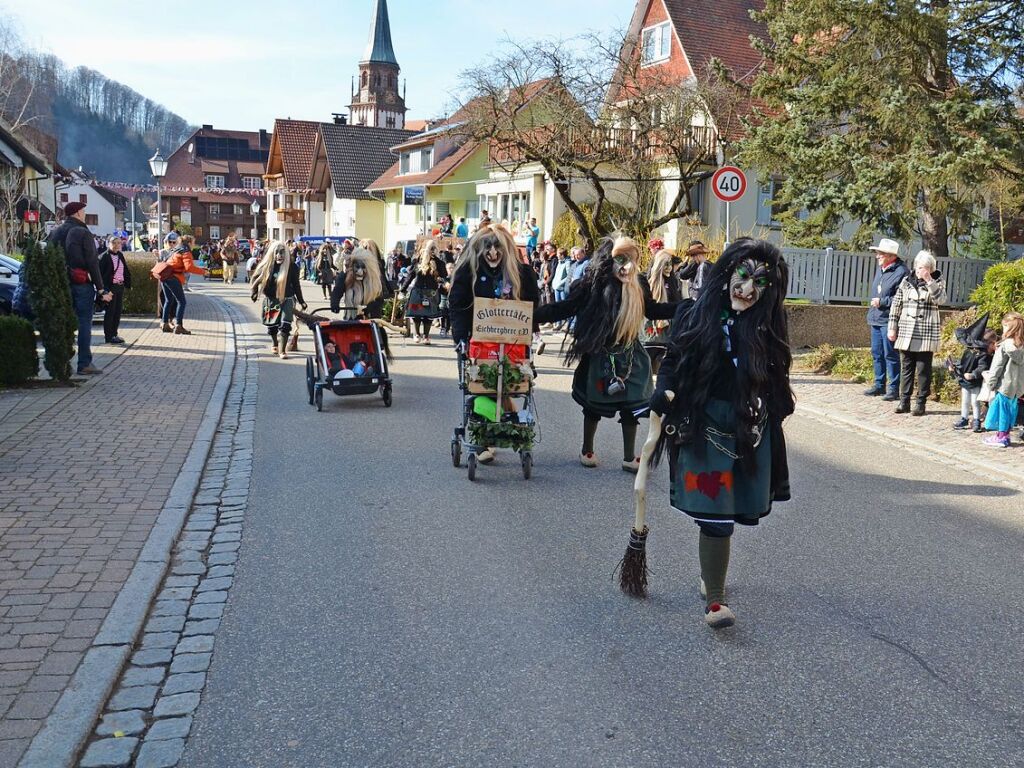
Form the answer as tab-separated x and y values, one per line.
241	64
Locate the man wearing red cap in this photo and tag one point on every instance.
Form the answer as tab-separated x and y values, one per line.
85	277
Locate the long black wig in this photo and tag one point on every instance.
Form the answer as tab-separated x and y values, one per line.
601	293
759	340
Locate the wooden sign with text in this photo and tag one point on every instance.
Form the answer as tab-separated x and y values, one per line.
502	321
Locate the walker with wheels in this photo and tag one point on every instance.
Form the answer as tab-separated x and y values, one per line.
498	404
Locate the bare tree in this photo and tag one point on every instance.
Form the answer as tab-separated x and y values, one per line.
16	101
588	112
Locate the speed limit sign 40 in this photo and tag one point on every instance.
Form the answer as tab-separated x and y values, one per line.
729	184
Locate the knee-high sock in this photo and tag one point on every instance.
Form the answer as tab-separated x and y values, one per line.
589	432
714	562
628	439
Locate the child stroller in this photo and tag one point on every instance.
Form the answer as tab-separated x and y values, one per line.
350	357
498	406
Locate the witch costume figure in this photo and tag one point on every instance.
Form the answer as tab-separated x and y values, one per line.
613	371
665	287
277	280
360	285
728	369
488	268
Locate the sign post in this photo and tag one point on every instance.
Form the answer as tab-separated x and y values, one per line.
729	184
416	196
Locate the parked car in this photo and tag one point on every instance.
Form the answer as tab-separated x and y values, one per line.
10	276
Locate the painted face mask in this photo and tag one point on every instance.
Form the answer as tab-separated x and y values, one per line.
492	252
623	268
360	271
747	284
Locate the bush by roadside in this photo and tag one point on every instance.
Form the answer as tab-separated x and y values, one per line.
50	297
141	299
1001	291
20	361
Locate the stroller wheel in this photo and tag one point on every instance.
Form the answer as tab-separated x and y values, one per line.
456	452
386	394
318	396
310	376
527	459
471	462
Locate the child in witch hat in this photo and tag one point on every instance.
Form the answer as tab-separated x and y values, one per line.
977	357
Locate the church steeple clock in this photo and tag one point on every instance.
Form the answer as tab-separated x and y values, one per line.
376	100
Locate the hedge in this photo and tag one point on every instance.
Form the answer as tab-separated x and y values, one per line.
141	299
1001	291
50	295
20	361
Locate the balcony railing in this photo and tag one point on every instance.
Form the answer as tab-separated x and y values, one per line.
290	215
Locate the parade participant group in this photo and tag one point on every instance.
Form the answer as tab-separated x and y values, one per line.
698	341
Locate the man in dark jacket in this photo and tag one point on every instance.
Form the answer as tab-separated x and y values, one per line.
84	274
890	273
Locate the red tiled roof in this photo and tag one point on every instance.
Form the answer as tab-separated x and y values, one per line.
718	29
296	140
446	165
415	125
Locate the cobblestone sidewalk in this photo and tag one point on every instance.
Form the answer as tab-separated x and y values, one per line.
840	402
146	721
87	472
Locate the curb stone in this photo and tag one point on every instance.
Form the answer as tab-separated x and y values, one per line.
69	725
988	469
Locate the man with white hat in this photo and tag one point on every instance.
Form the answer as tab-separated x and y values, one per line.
890	273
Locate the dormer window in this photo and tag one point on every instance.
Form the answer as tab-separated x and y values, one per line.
417	161
656	43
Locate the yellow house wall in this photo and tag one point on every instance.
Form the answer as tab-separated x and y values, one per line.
370	222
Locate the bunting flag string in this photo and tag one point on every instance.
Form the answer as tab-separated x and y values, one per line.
118	186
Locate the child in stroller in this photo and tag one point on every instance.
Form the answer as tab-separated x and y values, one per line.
357	363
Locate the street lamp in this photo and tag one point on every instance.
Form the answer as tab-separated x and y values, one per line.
255	208
158	167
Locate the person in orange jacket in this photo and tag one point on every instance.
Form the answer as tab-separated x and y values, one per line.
173	287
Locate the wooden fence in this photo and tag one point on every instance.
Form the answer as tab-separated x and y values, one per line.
836	277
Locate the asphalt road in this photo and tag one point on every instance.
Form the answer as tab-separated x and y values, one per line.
388	612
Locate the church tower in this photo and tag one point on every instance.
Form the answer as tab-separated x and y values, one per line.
377	102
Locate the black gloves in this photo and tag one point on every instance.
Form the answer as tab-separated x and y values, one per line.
660	402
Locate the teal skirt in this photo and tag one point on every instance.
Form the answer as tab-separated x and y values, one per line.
590	384
709	482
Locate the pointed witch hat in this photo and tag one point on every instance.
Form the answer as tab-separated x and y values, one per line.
971	336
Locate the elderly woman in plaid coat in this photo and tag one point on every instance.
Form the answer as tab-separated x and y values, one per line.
914	327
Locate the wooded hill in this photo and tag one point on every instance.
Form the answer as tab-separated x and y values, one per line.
100	124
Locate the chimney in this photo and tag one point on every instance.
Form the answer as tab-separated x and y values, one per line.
207	127
339	118
264	140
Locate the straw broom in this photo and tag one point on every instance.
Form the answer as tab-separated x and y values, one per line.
633	569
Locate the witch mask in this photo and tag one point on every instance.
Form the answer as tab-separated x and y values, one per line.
491	248
748	283
623	267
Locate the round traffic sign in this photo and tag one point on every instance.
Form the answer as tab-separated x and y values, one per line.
729	184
